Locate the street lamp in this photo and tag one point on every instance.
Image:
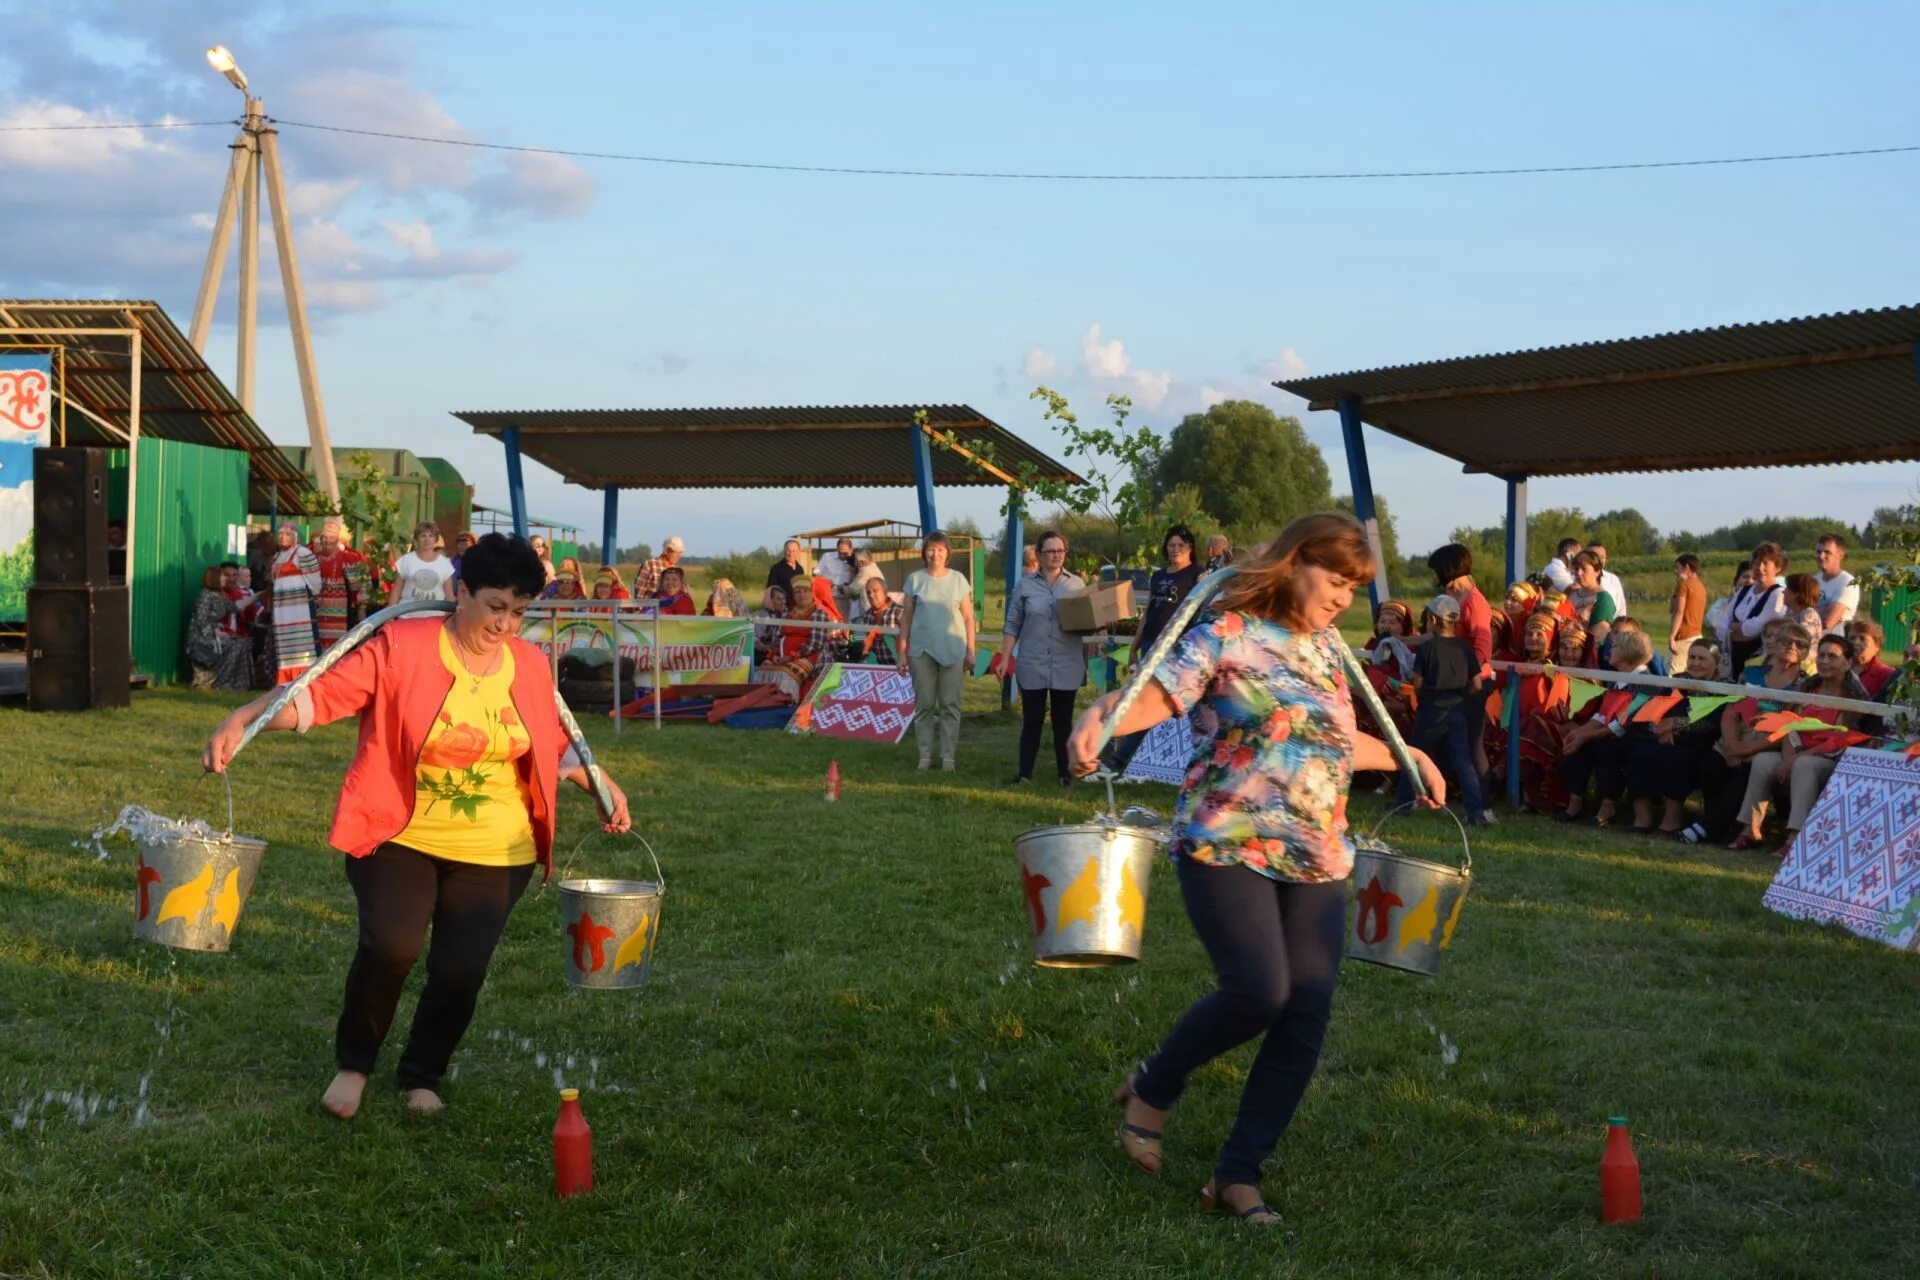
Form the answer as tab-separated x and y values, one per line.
220	58
256	157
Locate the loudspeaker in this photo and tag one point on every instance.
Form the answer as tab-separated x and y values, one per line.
79	655
70	517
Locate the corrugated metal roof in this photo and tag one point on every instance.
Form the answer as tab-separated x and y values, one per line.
180	397
1820	389
803	447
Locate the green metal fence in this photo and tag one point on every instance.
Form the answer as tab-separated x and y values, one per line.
190	499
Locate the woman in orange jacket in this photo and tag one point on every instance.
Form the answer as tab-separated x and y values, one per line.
447	806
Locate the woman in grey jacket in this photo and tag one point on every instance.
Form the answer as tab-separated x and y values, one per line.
1050	665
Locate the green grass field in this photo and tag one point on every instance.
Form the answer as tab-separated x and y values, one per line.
846	1065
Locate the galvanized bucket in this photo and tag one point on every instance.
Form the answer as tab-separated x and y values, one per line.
188	890
610	928
1085	888
1406	909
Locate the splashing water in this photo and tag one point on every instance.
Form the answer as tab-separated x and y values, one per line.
143	826
1449	1051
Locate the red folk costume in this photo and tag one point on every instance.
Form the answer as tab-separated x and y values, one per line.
1390	662
343	597
396	683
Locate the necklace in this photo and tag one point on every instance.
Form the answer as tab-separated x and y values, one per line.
474	678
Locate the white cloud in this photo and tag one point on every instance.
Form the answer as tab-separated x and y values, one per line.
415	239
16	514
1109	366
544	186
1287	364
1211	396
319	199
1040	363
65	149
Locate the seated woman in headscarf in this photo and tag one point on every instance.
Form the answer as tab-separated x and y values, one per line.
726	601
1663	763
766	631
1390	662
1510	624
608	586
671	596
801	649
1542	713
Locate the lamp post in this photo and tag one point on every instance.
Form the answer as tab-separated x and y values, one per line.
256	157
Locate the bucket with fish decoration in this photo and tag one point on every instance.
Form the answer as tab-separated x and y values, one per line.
1406	908
1085	885
610	928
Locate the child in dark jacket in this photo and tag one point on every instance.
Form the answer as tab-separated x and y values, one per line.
1445	677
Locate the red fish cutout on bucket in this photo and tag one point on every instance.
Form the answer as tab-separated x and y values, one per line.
1377	903
587	936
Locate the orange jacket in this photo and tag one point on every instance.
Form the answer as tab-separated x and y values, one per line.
396	683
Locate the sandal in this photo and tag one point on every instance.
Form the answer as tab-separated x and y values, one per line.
1211	1201
1142	1145
1745	840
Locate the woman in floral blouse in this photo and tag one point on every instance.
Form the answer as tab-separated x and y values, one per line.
1260	841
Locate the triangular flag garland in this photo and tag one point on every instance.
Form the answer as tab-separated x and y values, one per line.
1580	693
1656	708
1778	724
1699	708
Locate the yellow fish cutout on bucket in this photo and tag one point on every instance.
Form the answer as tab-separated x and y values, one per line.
187	901
1418	924
226	902
634	949
1446	934
1080	898
1133	903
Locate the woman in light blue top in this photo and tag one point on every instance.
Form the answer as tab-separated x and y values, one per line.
936	646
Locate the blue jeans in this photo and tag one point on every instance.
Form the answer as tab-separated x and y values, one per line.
1445	734
1275	948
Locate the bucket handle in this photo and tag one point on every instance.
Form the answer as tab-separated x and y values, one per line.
1466	850
660	877
227	778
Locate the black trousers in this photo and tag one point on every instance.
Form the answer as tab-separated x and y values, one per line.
1035	706
1276	948
401	891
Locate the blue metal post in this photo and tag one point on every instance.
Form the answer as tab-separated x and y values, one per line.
610	527
1516	572
1015	547
1362	480
516	485
923	478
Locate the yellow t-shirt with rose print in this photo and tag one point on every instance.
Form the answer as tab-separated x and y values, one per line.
469	802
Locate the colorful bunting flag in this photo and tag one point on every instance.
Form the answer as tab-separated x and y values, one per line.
1656	708
1699	708
983	660
1580	693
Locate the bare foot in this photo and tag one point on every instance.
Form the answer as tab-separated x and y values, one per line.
343	1095
424	1102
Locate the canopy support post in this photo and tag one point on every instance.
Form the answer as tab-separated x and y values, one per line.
1361	478
1516	572
1014	552
610	527
923	478
516	485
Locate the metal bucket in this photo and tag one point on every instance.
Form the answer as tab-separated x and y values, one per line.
188	890
1406	909
1085	888
610	928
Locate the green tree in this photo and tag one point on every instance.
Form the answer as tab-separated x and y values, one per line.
371	511
1253	469
1389	532
1623	533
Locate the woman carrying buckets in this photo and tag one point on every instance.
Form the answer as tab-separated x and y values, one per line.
1260	842
448	803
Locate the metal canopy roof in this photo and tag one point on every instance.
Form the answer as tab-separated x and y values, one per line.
1823	389
180	397
805	447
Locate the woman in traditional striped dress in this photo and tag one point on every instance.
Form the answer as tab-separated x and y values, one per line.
296	586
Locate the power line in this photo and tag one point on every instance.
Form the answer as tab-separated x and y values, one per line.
1002	175
151	124
1102	177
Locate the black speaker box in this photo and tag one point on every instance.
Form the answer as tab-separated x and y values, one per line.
70	517
79	655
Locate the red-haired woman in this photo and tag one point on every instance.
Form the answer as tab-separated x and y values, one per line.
1260	841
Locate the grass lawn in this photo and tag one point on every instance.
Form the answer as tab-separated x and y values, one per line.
846	1065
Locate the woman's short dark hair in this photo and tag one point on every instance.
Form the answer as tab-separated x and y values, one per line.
1178	531
1846	643
934	538
498	560
1688	561
1049	535
1803	590
1450	562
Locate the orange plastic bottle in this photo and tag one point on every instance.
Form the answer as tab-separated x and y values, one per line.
572	1148
1619	1176
833	781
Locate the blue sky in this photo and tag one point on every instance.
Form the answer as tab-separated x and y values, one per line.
452	280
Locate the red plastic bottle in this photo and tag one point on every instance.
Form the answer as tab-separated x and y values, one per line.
833	781
1619	1176
572	1148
